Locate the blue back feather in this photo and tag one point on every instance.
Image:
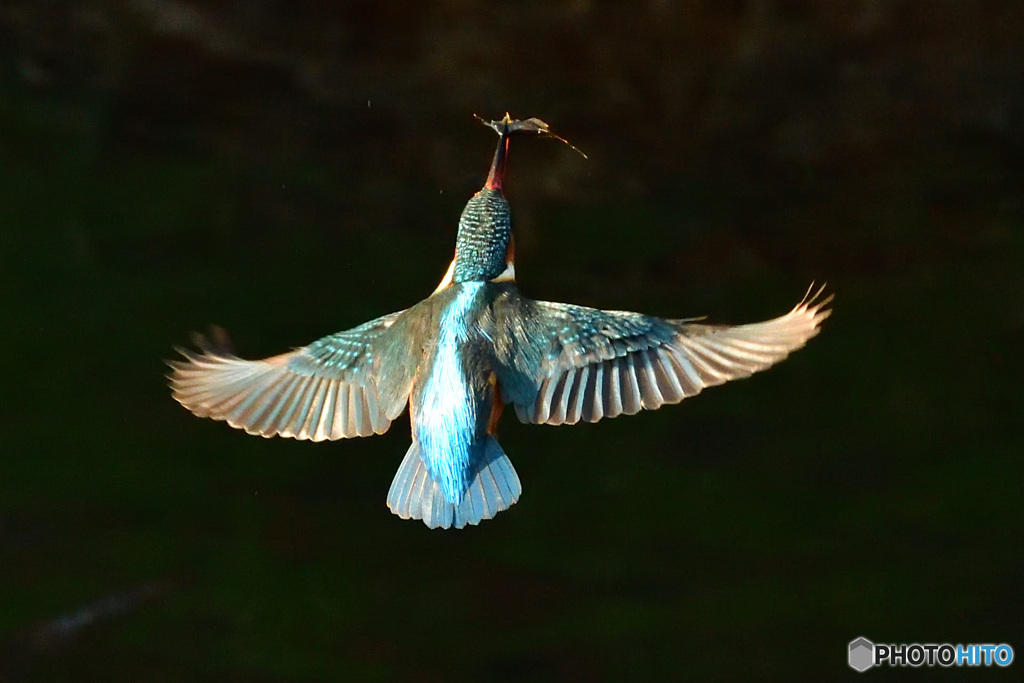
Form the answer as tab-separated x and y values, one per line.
448	413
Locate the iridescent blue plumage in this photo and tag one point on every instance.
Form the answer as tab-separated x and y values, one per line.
449	407
484	234
459	356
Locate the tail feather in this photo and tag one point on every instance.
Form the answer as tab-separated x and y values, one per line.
494	486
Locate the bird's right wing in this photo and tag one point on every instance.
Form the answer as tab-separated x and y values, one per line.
353	383
559	364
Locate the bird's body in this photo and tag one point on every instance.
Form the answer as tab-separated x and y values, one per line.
472	347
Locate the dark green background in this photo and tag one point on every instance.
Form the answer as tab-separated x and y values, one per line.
288	170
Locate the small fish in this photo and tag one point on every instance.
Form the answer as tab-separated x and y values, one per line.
474	346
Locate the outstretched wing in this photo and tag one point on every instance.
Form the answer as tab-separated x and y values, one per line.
570	363
334	388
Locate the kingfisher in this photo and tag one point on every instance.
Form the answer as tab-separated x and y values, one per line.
474	346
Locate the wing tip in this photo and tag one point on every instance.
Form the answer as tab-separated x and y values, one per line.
814	309
813	303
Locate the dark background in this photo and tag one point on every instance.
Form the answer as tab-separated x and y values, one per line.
291	169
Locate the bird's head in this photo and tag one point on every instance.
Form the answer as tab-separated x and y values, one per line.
483	248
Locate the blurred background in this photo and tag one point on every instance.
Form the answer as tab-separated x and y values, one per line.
291	169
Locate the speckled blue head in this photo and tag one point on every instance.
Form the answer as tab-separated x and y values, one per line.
485	228
483	248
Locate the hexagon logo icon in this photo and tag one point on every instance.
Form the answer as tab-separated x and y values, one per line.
862	654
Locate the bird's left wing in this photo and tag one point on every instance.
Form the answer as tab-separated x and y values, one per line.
353	383
559	364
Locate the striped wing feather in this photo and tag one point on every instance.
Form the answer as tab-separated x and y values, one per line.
608	378
326	390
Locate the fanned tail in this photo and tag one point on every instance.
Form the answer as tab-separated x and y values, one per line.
494	486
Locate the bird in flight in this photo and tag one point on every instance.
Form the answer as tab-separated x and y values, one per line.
474	346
